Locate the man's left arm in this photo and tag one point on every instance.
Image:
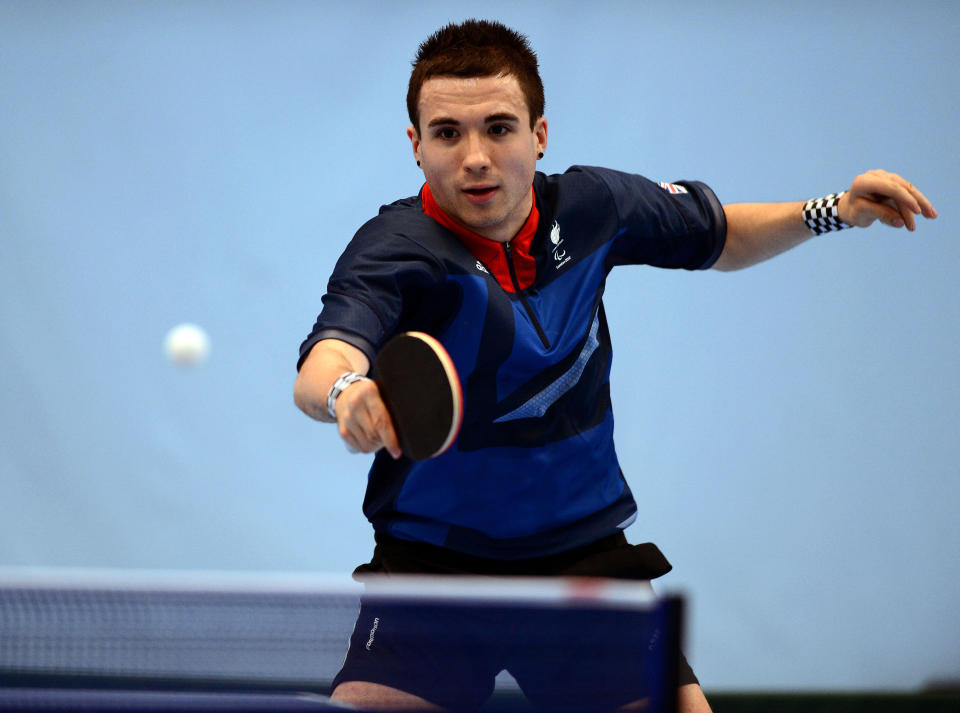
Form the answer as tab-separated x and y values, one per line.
759	231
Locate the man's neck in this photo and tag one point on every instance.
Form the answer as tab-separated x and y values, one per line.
504	235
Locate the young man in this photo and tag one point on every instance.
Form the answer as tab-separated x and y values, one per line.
506	267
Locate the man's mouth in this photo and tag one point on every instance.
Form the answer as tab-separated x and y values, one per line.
480	194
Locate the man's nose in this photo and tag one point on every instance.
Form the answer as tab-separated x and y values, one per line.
476	158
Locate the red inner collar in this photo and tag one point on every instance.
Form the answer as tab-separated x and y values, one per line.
490	252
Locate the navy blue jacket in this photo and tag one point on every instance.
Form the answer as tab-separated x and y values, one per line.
533	471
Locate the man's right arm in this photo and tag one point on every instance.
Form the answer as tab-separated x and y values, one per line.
362	419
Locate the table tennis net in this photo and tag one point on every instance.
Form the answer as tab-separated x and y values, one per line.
173	627
290	631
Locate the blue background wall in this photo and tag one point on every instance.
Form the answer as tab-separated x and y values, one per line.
790	431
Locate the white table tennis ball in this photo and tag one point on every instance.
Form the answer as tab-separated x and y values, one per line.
187	345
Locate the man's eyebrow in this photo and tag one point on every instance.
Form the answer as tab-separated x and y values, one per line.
443	121
502	116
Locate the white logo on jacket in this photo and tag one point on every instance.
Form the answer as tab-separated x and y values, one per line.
560	256
373	632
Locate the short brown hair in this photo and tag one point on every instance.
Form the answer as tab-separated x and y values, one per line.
476	48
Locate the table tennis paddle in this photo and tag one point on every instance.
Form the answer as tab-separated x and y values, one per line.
418	382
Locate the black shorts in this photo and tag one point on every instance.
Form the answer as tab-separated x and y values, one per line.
405	648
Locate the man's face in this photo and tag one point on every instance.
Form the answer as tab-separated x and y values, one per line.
478	152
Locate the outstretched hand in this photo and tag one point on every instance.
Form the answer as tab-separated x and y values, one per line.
887	197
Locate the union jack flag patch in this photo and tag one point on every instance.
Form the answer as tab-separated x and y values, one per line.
672	188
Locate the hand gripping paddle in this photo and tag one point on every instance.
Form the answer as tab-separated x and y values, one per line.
420	387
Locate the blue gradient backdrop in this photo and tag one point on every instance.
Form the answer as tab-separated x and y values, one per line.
790	431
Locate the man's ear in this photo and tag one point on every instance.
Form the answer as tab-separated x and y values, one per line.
540	132
414	142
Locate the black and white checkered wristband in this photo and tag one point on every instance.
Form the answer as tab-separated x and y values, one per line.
338	386
822	215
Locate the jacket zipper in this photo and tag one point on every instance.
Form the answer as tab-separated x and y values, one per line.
523	298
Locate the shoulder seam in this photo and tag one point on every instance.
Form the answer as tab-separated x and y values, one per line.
436	262
613	200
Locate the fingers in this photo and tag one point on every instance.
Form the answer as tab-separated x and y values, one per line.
885	196
926	207
388	437
363	421
889	213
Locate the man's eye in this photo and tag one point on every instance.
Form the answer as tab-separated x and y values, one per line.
447	133
499	129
